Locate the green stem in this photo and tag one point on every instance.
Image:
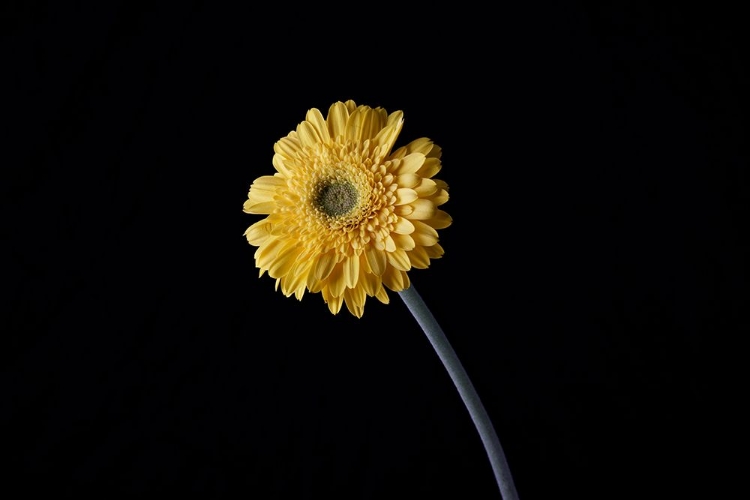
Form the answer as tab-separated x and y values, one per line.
460	378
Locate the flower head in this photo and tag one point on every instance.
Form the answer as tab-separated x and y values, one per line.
348	217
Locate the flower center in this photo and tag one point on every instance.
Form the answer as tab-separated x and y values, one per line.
336	198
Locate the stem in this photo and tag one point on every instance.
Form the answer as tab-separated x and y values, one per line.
460	378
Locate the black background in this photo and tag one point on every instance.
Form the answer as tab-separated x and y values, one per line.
596	159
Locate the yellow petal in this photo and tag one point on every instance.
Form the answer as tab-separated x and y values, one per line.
372	121
426	187
403	210
405	195
419	258
390	245
335	281
334	303
354	298
424	235
409	164
399	153
266	253
288	146
351	106
388	135
376	259
285	260
399	260
314	285
353	131
408	180
351	271
268	182
422	145
324	264
315	118
440	220
430	167
297	276
435	251
308	136
280	165
368	281
337	117
258	233
403	241
261	194
440	197
423	209
395	279
264	207
403	226
355	125
382	295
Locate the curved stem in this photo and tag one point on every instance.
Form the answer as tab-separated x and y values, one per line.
460	378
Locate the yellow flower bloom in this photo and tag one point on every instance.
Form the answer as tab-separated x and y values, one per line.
346	216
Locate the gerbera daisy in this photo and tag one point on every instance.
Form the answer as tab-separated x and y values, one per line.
347	216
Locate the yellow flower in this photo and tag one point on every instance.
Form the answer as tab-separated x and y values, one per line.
346	216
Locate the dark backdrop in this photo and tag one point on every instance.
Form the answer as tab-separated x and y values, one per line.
596	162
